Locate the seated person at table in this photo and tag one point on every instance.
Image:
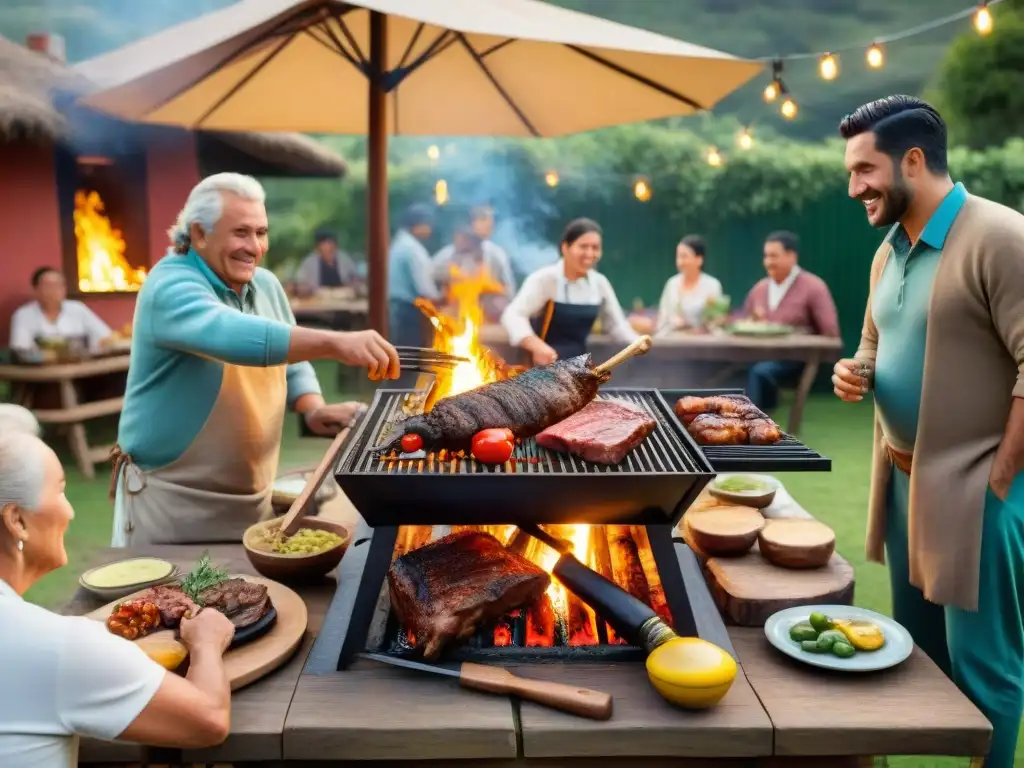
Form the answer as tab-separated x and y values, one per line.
790	296
326	267
53	316
63	677
470	257
555	310
688	292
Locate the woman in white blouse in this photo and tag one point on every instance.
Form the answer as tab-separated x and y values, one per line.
554	311
688	292
65	676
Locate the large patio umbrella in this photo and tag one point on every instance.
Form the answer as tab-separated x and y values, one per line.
407	67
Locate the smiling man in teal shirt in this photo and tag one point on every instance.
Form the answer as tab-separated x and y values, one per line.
216	361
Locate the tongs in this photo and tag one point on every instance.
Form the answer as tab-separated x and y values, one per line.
427	360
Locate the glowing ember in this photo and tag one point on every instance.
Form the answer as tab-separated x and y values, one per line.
102	267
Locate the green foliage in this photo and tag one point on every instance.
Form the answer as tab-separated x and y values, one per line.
979	87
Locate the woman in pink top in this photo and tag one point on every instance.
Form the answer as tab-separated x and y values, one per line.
791	296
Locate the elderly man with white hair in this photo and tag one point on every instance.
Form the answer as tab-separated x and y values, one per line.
62	677
216	361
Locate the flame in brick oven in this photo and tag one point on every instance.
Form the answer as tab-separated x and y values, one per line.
457	332
102	267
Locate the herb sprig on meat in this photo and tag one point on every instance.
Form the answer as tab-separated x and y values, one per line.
201	578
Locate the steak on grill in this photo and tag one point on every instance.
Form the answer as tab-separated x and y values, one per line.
445	590
244	602
526	404
603	432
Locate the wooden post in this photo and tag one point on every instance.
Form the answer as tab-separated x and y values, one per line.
377	232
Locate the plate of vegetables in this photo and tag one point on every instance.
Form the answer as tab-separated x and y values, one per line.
839	637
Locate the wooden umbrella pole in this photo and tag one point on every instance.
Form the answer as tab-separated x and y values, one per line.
377	233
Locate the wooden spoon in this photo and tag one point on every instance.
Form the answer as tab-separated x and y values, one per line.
290	522
639	347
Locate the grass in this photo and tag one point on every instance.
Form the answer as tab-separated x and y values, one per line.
838	498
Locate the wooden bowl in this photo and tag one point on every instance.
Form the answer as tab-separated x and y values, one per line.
758	499
296	567
724	531
795	542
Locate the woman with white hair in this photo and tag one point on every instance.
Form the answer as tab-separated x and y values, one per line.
65	676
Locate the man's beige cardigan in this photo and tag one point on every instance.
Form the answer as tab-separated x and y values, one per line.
973	367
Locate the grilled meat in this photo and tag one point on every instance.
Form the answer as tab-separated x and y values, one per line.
244	602
170	601
727	420
603	432
526	404
445	590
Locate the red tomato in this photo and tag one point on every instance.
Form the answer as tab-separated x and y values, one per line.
411	443
493	446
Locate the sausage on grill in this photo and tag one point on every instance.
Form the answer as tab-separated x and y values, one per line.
526	404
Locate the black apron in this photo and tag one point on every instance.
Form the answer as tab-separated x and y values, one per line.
329	275
568	326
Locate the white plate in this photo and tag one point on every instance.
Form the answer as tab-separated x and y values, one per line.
898	643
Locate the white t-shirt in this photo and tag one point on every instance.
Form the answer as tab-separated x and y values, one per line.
75	319
550	284
681	303
61	677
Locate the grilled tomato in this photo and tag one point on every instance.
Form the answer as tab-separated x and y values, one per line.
493	446
411	443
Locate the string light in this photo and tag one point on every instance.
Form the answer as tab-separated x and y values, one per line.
983	19
433	152
642	189
775	87
828	66
771	92
441	192
745	140
789	108
875	56
551	179
714	159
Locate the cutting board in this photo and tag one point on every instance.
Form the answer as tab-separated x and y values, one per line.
749	589
263	655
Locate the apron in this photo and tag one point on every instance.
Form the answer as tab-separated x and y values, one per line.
565	327
223	481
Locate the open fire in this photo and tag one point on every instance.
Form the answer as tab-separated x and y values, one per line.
99	248
621	553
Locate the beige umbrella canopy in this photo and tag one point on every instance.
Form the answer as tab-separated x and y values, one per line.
407	67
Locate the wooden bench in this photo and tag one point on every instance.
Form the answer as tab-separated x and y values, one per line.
72	414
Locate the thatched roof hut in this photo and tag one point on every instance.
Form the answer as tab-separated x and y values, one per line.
34	89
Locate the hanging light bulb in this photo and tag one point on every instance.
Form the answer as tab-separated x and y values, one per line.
771	91
789	108
983	19
642	189
745	139
433	152
441	192
875	56
713	157
828	66
551	179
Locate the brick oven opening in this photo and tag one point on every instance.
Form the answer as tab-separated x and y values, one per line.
104	223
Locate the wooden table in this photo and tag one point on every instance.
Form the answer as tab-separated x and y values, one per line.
72	413
661	367
335	311
778	713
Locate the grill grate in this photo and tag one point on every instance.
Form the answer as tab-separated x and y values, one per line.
787	455
648	486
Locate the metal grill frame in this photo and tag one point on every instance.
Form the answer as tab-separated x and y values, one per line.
787	455
654	484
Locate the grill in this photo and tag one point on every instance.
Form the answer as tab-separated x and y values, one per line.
787	455
655	483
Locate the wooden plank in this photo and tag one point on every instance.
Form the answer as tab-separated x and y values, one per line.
372	712
749	589
65	371
912	709
80	412
643	724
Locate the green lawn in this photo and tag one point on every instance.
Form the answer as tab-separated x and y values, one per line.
839	498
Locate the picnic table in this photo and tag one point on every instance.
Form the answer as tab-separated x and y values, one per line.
674	361
778	712
72	413
339	310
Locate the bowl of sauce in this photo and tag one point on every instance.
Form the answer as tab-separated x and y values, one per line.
756	491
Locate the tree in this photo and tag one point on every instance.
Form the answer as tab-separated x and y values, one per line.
979	87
